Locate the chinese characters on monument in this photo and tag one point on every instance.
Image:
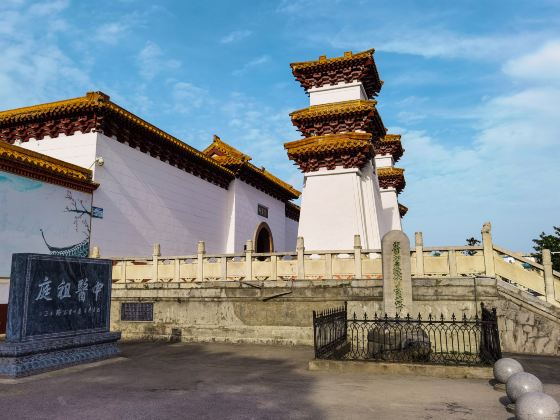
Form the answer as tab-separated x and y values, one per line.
59	313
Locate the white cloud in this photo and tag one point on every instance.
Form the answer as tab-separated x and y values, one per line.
541	66
430	43
46	8
34	67
508	174
187	97
111	33
151	61
263	59
235	36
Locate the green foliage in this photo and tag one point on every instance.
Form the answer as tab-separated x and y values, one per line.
472	241
397	276
551	242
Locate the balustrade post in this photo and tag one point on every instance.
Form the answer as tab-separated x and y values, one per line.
274	267
452	261
123	271
95	252
419	244
223	268
156	252
548	276
328	266
488	249
200	250
300	248
357	257
177	271
249	260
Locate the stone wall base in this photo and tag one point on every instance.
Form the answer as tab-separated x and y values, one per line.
237	313
24	359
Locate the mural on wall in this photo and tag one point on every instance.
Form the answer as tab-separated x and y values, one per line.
81	220
40	217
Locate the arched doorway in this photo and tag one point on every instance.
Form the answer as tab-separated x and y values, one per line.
263	239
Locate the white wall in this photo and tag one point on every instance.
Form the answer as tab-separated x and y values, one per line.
336	93
78	149
291	234
26	207
145	201
390	205
4	290
247	199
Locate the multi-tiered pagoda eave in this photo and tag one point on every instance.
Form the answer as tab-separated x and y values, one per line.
346	154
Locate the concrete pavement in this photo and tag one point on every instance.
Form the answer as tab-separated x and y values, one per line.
227	381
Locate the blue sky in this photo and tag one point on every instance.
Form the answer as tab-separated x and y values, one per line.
472	86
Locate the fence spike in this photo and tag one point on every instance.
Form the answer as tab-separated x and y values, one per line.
354	316
375	316
419	317
441	318
407	317
430	317
464	317
453	317
365	316
386	317
396	316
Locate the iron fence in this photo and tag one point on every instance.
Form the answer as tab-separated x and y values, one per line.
329	331
432	340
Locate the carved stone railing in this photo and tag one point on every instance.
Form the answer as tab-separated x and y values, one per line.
353	264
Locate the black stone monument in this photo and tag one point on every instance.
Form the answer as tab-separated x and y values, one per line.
58	314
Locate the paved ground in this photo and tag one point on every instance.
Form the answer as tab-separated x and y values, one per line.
224	381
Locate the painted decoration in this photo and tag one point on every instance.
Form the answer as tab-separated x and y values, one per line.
42	218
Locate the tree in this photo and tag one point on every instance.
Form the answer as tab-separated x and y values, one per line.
472	241
551	242
81	212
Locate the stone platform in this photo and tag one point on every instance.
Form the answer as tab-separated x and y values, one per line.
28	358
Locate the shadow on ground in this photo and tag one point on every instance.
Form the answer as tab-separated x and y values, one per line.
170	381
546	368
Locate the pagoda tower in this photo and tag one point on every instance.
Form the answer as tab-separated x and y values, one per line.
350	183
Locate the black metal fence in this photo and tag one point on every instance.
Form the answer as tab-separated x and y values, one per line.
406	339
329	331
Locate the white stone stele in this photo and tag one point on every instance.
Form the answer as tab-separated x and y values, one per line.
521	383
148	201
504	368
536	406
337	204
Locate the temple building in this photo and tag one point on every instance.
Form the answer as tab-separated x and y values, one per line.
350	183
85	172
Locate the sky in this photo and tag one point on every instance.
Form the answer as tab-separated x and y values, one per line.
473	87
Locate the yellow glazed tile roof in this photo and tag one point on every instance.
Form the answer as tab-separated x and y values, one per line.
391	138
230	157
348	56
387	172
338	108
100	101
328	143
23	160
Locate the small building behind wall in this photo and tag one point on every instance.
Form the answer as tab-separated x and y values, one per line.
153	188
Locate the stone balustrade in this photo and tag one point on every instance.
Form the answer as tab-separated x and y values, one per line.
363	264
